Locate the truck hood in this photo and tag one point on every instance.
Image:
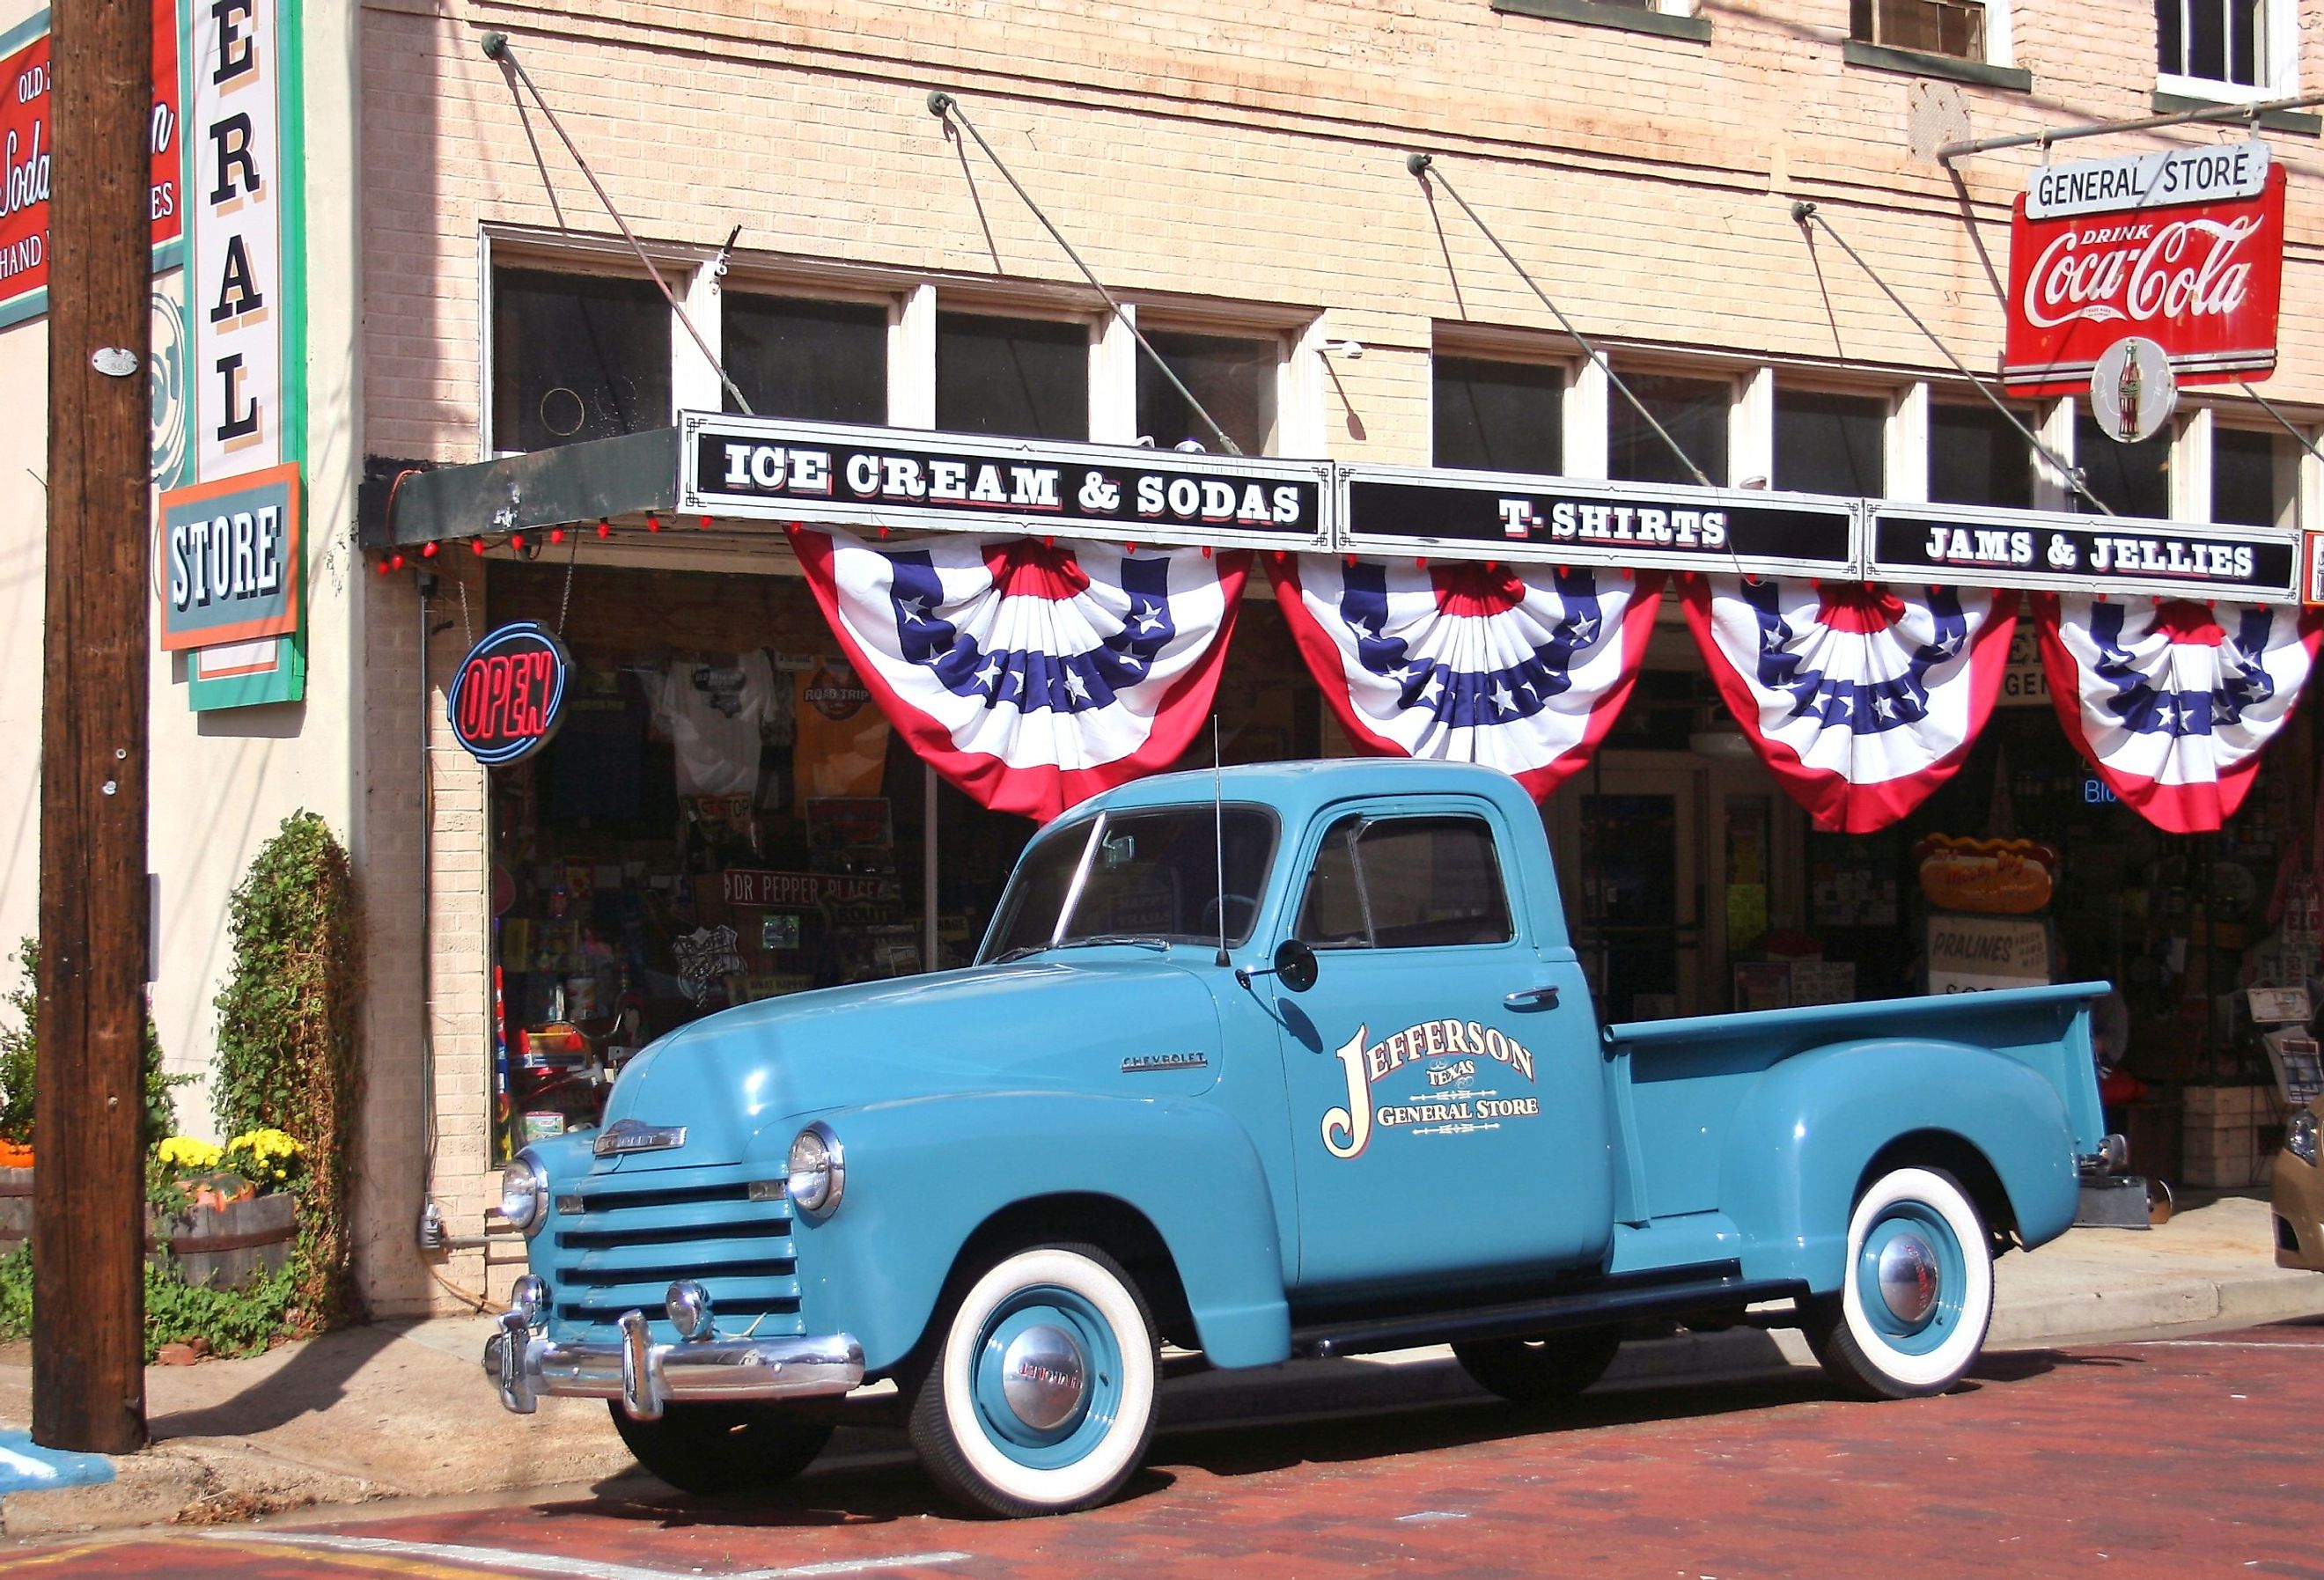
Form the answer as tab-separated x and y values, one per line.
1058	1022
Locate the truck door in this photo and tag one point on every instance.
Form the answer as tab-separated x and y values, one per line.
1447	1111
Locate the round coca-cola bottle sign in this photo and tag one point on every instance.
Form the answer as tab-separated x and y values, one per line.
510	695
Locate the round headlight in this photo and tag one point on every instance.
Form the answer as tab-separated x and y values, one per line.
2302	1136
524	1193
818	1170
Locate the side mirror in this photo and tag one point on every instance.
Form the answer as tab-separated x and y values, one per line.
1295	964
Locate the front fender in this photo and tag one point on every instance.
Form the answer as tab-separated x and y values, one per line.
1800	1140
923	1173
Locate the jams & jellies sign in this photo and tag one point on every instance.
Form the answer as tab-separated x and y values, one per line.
2184	248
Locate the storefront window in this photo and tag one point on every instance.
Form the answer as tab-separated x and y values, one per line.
1977	455
2134	479
816	361
1831	444
1499	416
576	357
2254	477
1693	411
1233	376
1024	377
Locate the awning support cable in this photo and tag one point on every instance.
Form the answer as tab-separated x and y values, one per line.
2249	113
945	107
496	49
1803	214
1423	165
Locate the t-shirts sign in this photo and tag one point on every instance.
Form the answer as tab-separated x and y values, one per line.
509	696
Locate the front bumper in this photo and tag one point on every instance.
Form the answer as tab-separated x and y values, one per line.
646	1376
2297	1195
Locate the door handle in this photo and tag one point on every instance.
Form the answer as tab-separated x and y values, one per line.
1532	998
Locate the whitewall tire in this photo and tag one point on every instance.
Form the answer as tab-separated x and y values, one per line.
1040	1397
1917	1302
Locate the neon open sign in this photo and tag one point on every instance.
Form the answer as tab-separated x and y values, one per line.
509	696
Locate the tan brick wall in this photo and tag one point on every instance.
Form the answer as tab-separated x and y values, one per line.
1209	148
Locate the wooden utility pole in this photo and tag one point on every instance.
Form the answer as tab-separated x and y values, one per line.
88	1233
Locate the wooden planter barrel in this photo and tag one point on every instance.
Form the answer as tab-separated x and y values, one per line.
15	1208
225	1250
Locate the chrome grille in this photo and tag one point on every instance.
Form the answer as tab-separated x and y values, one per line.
637	1231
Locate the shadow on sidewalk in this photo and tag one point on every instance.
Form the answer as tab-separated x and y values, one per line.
312	1378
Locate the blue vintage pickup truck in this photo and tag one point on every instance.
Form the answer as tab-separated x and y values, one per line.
1293	1060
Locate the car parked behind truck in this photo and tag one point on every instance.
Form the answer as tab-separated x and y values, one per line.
1288	1060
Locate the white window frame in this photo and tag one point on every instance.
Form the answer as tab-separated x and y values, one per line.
498	250
1298	426
2279	59
1580	403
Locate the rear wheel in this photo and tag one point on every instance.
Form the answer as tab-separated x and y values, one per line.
1912	1313
1040	1398
1536	1373
711	1448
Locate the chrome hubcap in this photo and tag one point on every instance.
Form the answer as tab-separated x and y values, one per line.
1043	1376
1908	1276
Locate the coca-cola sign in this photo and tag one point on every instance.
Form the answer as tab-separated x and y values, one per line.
2115	250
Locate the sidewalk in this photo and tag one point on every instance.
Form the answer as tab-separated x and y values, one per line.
404	1411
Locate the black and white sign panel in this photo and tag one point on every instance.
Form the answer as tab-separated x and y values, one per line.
1966	547
1489	515
910	480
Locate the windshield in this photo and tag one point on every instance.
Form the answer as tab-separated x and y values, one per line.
1136	877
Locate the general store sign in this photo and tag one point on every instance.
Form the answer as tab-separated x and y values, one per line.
231	561
908	479
2185	248
1484	515
27	94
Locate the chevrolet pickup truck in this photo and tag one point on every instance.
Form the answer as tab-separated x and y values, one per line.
1290	1060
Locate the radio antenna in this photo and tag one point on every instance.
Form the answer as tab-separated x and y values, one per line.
1219	834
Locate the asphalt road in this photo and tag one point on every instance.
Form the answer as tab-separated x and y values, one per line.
2161	1457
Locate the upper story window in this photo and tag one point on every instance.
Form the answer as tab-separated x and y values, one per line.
1831	443
1929	27
1977	456
2227	49
1692	411
816	361
1404	884
1233	377
576	357
2254	477
1027	378
1499	416
2134	479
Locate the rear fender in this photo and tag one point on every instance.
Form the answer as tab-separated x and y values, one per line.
923	1175
1799	1144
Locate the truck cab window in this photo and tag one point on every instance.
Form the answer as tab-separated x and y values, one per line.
1405	884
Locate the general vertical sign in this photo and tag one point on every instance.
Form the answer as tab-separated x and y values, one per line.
2185	248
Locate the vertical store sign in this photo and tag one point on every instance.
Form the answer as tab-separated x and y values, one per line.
246	297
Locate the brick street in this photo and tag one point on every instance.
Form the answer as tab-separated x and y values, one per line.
2174	1456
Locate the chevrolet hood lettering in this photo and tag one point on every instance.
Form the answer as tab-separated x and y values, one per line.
632	1135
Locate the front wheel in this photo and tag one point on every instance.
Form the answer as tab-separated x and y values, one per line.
711	1448
1912	1313
1539	1373
1041	1395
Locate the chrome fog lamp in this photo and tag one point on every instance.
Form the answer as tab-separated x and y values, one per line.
688	1304
2300	1140
527	1296
524	1193
818	1170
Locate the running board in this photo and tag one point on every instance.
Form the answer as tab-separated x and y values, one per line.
1528	1318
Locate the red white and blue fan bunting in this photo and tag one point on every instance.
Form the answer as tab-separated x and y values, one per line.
1520	669
1031	677
1862	700
2173	703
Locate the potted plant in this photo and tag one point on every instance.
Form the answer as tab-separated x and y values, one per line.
230	1213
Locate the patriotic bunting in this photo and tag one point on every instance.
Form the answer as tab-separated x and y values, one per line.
1862	700
2172	703
1521	669
1031	677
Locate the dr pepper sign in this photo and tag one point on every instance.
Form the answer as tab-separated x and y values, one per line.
510	695
2185	248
